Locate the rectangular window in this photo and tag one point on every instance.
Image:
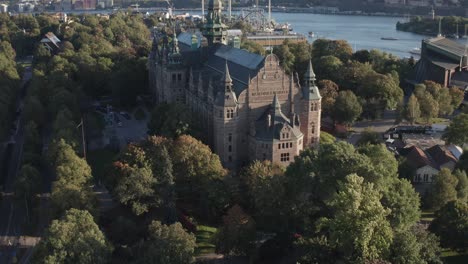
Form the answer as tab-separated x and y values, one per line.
173	77
290	145
279	146
179	77
426	177
230	148
284	157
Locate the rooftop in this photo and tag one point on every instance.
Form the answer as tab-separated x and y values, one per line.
447	45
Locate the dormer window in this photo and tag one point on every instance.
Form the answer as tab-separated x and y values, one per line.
230	113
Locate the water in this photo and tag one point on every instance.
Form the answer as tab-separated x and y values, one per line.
362	32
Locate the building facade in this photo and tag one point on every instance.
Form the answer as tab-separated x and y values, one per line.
247	106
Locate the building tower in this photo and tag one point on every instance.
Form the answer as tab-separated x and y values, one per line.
310	109
225	121
214	30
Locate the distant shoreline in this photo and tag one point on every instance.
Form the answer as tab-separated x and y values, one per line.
179	10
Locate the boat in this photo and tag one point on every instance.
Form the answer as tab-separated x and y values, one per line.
311	34
388	38
415	51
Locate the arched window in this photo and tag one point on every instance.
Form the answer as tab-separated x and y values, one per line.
230	148
230	137
312	127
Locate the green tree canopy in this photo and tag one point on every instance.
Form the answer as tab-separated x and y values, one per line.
75	238
329	92
347	108
444	188
451	225
237	234
412	110
170	120
166	244
457	131
359	228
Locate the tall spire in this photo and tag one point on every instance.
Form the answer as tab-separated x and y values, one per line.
276	103
227	76
310	74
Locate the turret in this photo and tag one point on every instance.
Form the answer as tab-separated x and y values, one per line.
214	30
226	121
310	108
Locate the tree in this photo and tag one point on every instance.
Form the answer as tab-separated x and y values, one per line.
415	246
264	182
315	250
326	138
237	234
329	93
451	225
430	108
457	95
285	56
167	185
75	238
370	137
136	189
338	48
347	108
412	110
170	120
457	131
166	244
194	164
328	67
382	88
462	163
252	46
28	182
404	202
359	228
444	189
71	189
462	186
405	248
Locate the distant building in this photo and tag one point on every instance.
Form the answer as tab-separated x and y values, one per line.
3	8
51	42
443	61
248	107
428	163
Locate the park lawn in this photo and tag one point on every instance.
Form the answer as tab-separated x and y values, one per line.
100	160
453	257
205	237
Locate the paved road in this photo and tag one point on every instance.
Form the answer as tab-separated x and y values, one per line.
12	214
379	125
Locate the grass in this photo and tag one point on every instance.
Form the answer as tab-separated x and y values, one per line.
100	160
453	257
205	239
